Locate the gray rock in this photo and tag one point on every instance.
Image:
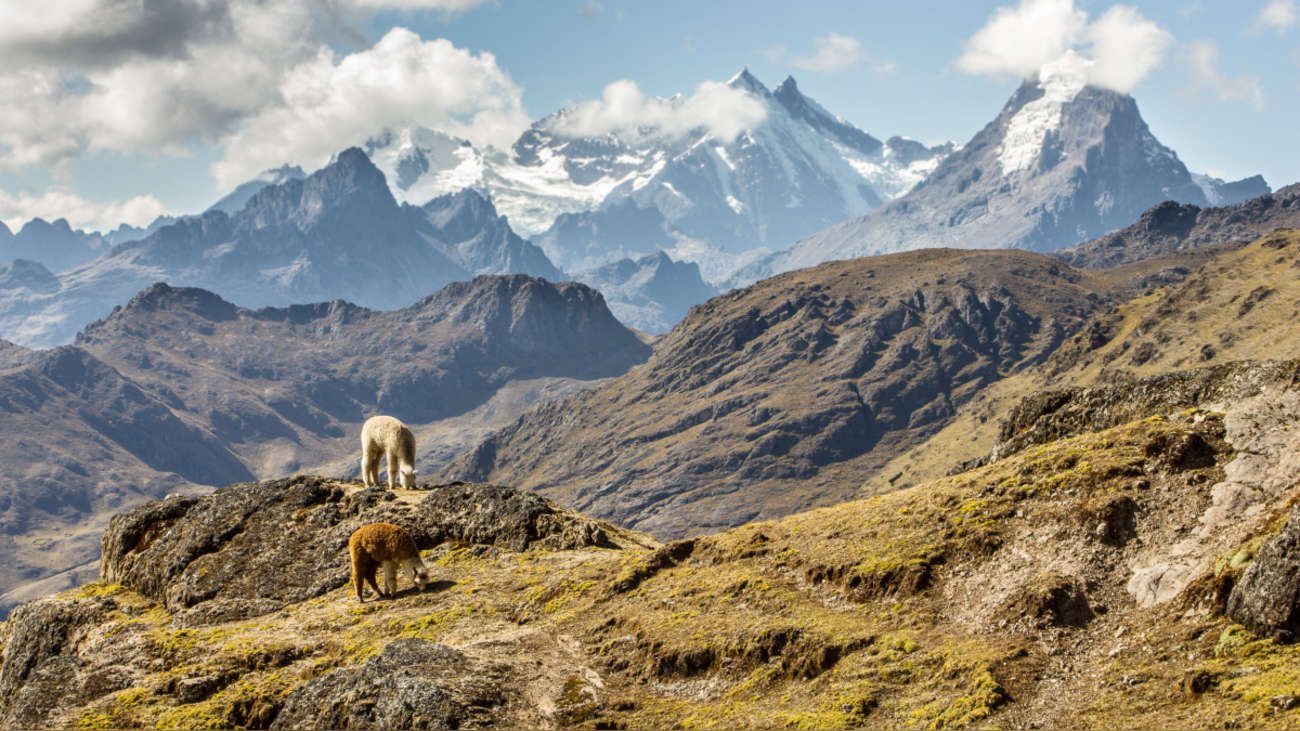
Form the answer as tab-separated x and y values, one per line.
413	683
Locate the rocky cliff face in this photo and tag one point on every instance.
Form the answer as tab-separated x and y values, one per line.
751	404
1172	226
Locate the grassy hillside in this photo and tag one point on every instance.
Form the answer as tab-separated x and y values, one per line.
995	598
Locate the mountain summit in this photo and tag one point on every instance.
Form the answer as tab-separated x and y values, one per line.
1062	163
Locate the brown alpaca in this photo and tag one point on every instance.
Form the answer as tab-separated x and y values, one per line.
387	546
384	436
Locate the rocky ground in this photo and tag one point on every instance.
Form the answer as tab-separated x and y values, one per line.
1126	572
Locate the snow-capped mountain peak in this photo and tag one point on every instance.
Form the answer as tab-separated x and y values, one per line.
422	163
746	81
1077	161
1060	82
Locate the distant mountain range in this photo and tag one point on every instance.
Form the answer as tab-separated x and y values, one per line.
798	170
337	233
1062	163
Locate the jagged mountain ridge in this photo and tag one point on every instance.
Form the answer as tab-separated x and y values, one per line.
799	169
789	393
181	389
1171	226
1063	162
337	233
55	245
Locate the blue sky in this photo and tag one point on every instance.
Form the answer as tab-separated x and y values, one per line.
112	116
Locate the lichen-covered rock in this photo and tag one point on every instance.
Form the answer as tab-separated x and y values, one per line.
413	683
1267	597
252	548
40	672
502	517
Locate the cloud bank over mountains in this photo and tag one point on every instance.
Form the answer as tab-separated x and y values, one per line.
624	110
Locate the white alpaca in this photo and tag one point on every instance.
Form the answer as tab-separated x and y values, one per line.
384	436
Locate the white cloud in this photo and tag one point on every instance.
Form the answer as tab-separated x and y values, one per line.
158	77
1125	48
15	210
1278	15
329	103
1122	45
1202	59
834	52
1020	40
623	109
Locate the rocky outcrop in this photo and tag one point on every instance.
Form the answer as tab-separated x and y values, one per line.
413	683
40	672
1266	599
1050	415
252	548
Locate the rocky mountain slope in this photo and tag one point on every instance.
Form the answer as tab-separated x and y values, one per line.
337	233
651	293
1133	576
1199	307
181	389
1171	226
81	441
787	394
1063	162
